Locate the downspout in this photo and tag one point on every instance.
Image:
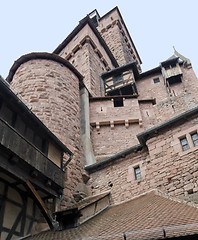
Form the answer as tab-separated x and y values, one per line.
63	168
101	92
162	70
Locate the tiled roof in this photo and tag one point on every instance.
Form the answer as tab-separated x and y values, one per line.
87	201
150	216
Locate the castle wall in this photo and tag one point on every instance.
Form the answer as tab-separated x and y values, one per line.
52	89
147	89
172	100
88	56
107	141
164	166
112	27
147	114
114	128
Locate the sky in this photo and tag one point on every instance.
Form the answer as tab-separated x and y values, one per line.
155	27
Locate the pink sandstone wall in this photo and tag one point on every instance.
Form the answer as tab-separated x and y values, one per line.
147	89
53	91
114	128
164	166
183	95
88	56
111	28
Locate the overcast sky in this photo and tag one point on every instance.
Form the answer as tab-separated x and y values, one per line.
155	27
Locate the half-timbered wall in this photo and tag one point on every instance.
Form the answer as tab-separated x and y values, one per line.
18	211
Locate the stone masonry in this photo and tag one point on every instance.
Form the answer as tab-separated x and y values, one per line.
164	166
53	92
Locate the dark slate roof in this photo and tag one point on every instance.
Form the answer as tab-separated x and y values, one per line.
172	57
150	216
41	55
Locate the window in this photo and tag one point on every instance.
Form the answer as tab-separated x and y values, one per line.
173	65
156	80
167	67
117	79
137	173
184	144
118	102
194	137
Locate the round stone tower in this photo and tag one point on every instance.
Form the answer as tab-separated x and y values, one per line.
50	86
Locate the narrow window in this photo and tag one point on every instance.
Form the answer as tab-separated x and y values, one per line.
184	144
194	137
137	173
156	80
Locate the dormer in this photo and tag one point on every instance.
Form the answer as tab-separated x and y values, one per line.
171	70
121	80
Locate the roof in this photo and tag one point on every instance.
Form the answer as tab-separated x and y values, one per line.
123	68
86	201
81	24
150	216
99	165
41	55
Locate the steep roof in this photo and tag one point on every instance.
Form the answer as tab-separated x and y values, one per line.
150	216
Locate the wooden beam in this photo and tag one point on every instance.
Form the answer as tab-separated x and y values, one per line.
41	205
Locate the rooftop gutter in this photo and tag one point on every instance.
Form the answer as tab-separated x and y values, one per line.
99	165
142	137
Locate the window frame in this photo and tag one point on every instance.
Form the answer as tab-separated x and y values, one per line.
184	145
195	141
137	172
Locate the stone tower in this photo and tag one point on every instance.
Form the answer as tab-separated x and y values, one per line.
51	85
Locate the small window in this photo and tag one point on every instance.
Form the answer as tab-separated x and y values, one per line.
194	137
184	144
117	79
167	67
118	102
156	80
137	173
173	65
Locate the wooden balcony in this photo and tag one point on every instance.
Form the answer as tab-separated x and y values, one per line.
120	81
22	159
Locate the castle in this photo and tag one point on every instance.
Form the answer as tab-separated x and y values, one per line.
94	148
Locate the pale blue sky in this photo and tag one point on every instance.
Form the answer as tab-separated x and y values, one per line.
155	26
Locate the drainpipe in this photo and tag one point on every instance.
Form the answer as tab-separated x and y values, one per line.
101	92
68	161
63	168
162	70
